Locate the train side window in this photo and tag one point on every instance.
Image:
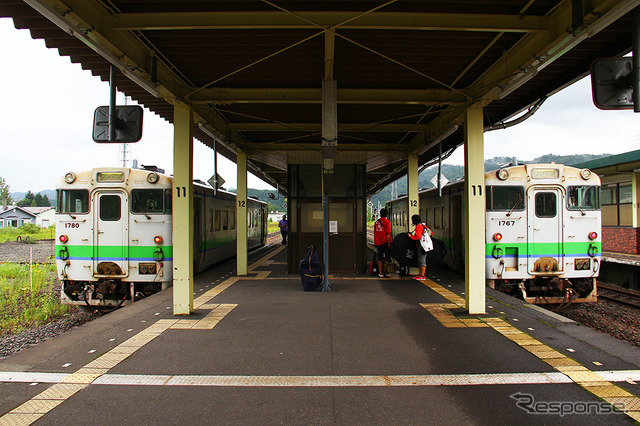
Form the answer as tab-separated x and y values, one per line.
210	219
72	201
505	198
232	220
436	218
110	208
148	201
225	220
217	220
404	218
583	198
546	204
427	218
443	224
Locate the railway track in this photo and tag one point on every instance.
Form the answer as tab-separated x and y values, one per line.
619	295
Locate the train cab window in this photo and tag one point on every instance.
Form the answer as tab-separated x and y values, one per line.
225	220
217	220
583	198
546	204
147	201
73	201
110	208
505	198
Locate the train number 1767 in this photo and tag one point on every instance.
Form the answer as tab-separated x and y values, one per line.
506	222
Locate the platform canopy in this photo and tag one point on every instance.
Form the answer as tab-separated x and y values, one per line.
406	70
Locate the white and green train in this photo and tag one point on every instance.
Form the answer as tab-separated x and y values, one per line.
543	230
114	233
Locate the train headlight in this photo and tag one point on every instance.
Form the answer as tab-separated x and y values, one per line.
497	236
152	177
70	177
502	174
63	239
157	239
585	174
593	235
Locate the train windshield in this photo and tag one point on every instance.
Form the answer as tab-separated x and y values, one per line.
73	201
583	197
147	201
505	198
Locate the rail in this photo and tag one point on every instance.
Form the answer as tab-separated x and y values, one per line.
618	295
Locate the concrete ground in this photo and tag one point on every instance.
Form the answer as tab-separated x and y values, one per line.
259	350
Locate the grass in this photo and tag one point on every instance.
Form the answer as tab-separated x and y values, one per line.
23	306
28	232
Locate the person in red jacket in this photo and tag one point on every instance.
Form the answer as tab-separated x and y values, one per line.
422	236
382	241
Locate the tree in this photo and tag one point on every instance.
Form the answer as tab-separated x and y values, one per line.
28	199
4	192
38	201
45	201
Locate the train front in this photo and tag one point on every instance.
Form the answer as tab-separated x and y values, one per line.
543	229
113	235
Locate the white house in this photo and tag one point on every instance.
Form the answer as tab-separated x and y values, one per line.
45	216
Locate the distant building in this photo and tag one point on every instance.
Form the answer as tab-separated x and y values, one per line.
15	216
620	198
276	216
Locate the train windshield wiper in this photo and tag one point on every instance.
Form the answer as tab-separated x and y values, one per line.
517	203
141	209
72	216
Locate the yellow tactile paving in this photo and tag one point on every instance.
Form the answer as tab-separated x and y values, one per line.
13	419
629	403
582	376
60	391
37	406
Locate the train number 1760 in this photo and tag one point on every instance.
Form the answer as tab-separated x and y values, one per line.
506	222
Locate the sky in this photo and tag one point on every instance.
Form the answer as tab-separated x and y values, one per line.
46	118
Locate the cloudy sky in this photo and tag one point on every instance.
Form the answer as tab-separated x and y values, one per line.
46	118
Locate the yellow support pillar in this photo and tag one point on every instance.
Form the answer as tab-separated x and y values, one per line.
182	210
635	199
475	273
412	187
241	222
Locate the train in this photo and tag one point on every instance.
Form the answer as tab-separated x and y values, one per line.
114	233
543	230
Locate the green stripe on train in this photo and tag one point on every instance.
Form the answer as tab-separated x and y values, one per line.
546	249
135	252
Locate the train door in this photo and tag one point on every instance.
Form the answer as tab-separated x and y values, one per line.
545	230
111	233
457	230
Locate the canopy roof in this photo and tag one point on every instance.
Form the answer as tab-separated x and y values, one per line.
406	70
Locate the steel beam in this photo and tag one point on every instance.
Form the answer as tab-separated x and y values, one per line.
329	19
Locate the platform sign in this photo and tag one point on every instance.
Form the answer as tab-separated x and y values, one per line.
443	180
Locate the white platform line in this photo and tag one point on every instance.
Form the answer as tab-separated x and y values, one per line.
320	381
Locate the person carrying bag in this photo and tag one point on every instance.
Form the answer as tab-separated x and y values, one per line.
422	236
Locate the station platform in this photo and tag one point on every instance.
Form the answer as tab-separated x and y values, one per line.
259	350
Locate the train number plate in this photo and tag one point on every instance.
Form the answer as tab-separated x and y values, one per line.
506	222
